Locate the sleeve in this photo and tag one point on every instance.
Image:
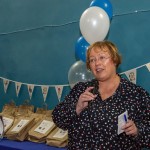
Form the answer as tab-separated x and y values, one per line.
143	124
64	114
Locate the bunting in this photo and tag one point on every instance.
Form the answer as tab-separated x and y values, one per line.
6	83
44	91
131	75
59	89
30	89
18	86
148	66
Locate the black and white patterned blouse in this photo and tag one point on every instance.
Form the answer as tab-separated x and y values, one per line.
96	126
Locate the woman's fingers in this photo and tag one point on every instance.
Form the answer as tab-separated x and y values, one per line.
84	98
130	128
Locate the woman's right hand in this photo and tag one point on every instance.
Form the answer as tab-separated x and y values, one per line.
84	98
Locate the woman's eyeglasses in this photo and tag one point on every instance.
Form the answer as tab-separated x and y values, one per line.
93	60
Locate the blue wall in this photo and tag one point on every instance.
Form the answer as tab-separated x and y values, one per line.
37	43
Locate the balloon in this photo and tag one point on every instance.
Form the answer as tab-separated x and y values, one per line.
79	73
81	47
104	4
94	24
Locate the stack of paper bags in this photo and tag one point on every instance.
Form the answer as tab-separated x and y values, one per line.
43	127
40	131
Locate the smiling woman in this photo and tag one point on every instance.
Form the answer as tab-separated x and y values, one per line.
107	50
93	119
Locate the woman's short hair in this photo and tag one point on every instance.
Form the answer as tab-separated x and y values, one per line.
106	46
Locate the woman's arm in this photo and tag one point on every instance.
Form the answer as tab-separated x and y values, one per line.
64	114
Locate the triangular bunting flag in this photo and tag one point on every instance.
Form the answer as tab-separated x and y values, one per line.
148	66
6	83
44	91
30	89
18	86
131	74
59	89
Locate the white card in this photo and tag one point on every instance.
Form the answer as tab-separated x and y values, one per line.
44	126
20	125
7	123
122	120
60	133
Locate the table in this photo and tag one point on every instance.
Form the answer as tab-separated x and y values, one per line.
6	144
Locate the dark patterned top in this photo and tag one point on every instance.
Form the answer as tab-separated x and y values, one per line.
96	126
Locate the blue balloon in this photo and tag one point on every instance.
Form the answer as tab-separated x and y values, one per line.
81	47
104	4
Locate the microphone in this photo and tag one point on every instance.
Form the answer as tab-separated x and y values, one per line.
94	91
94	83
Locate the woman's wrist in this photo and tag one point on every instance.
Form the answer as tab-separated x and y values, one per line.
78	108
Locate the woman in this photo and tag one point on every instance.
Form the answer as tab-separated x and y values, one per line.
91	112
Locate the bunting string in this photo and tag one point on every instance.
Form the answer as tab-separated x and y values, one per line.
31	83
133	68
72	22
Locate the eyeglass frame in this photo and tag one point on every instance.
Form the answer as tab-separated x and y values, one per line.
100	58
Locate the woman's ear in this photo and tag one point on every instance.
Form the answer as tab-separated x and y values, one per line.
115	64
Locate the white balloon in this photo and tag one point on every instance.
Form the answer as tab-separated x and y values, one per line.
94	24
79	73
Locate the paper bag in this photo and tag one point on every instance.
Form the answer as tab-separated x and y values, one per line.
58	138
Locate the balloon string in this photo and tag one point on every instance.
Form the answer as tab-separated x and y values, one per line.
69	23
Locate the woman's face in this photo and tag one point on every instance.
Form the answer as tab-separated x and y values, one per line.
101	64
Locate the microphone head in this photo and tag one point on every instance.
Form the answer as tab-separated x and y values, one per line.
94	83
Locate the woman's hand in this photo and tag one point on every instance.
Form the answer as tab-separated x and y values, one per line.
84	98
130	128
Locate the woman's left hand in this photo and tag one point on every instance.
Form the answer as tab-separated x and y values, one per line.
130	128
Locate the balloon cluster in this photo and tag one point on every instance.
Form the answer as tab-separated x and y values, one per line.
94	26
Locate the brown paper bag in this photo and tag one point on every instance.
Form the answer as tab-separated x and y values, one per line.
42	128
8	122
37	117
20	128
24	109
44	112
9	109
58	138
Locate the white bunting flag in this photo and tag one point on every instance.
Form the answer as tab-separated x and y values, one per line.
45	91
6	83
30	89
18	86
148	66
59	89
131	74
